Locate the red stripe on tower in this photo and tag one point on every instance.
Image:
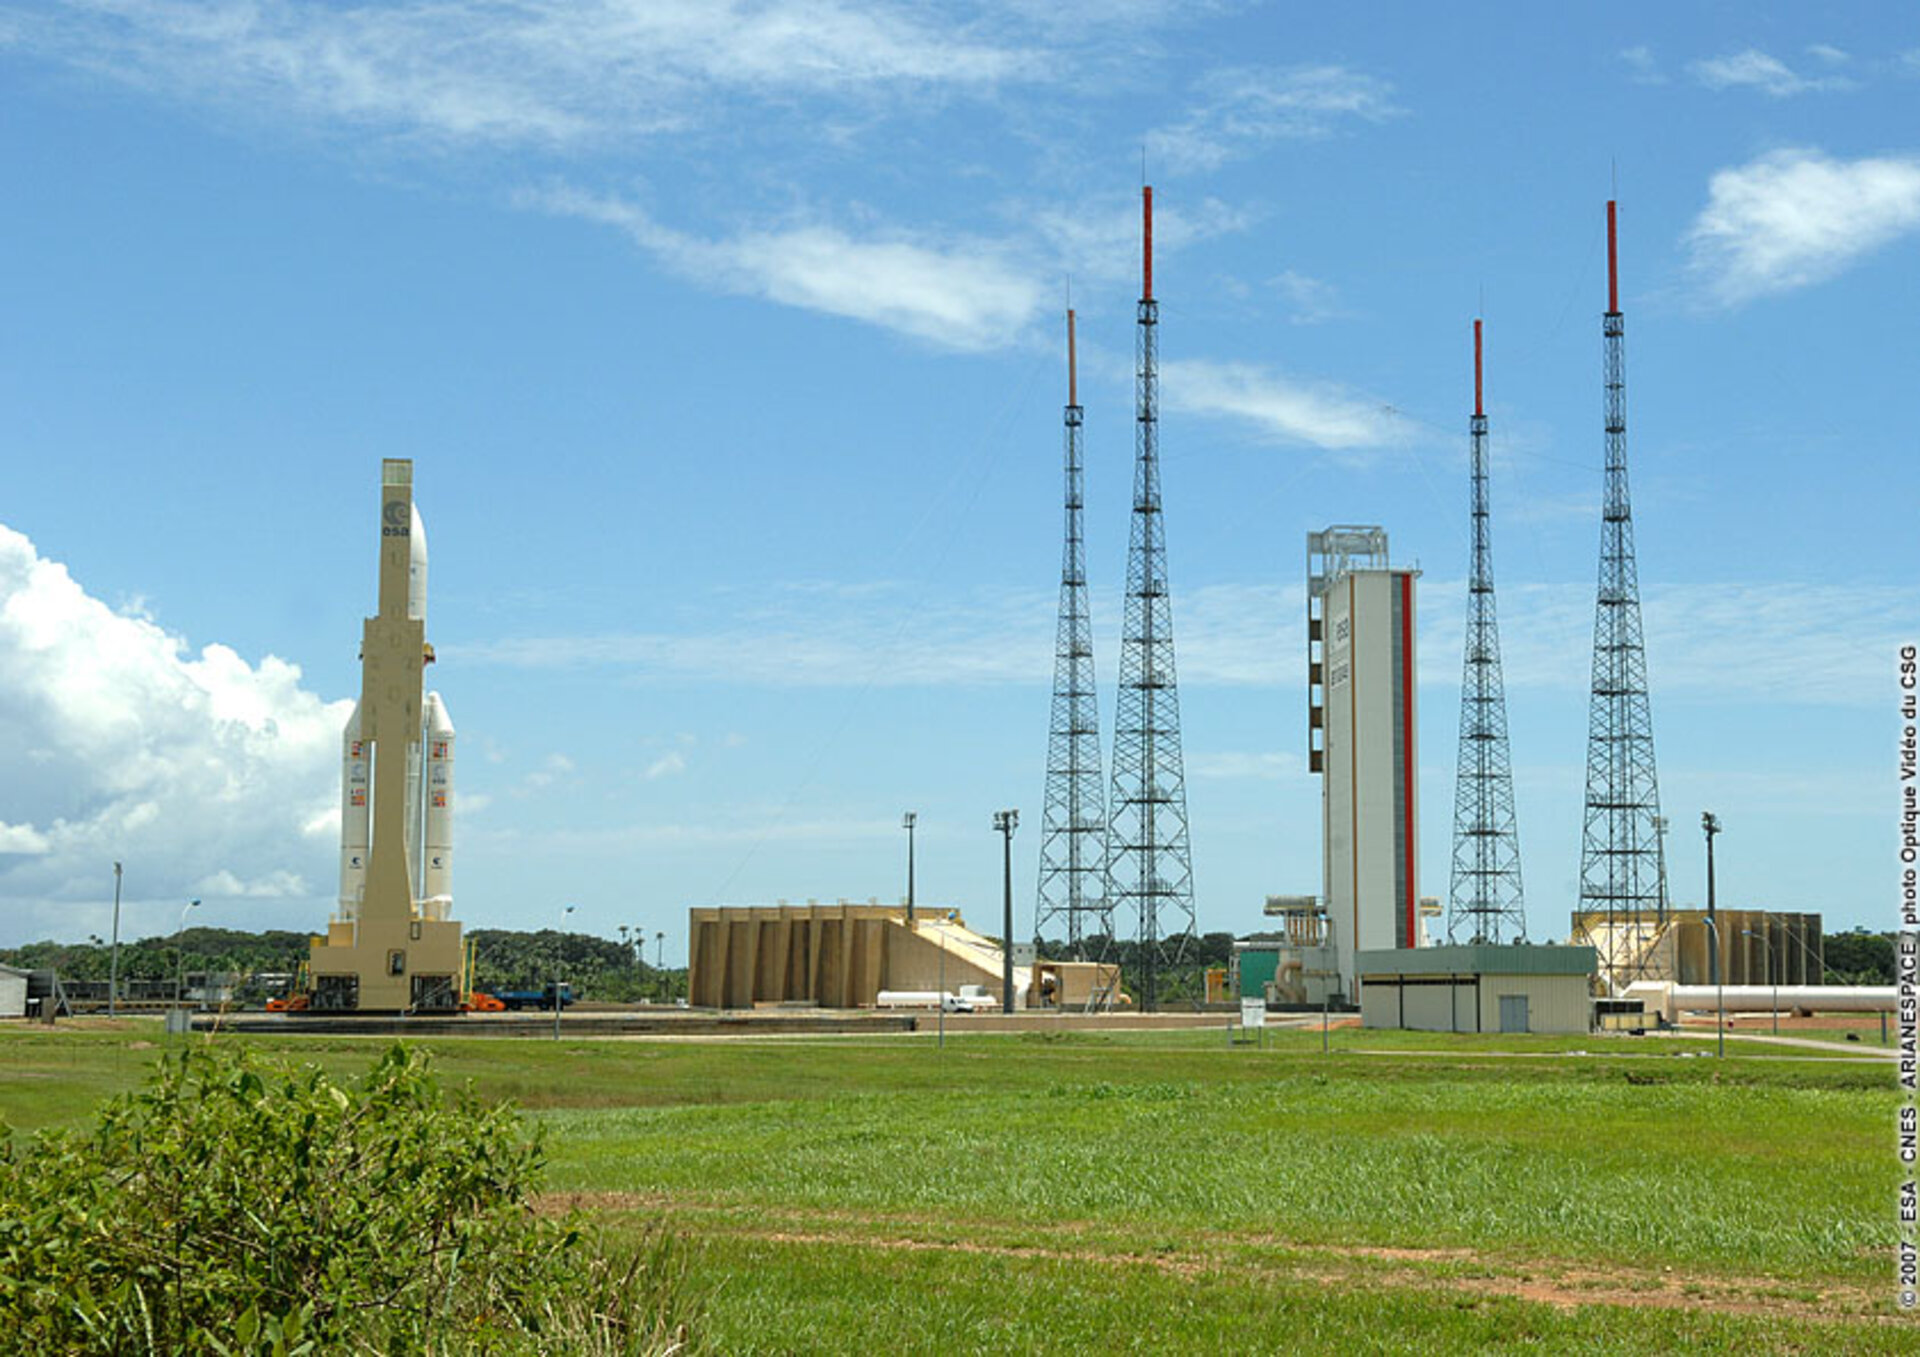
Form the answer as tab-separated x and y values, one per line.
1613	263
1406	756
1146	243
1478	408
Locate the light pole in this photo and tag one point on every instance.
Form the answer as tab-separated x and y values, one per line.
558	943
1771	974
906	823
113	966
1721	1014
180	954
1006	821
660	962
1710	825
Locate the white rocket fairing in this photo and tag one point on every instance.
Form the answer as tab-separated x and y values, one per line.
417	569
428	794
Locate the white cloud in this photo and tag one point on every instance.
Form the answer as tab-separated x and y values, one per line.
1642	67
1100	241
1242	764
1240	111
667	765
1740	642
1312	300
202	773
551	770
554	73
22	839
1828	53
1754	69
1795	217
966	295
1319	414
275	885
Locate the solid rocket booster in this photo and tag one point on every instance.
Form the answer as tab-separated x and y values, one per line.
437	858
354	818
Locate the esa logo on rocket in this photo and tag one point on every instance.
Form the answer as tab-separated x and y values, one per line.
397	514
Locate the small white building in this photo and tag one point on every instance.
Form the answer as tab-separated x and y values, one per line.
13	993
1483	988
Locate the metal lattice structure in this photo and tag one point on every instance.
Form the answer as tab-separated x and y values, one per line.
1620	850
1150	865
1073	836
1486	902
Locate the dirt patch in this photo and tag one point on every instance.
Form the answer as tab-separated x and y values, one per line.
1544	1281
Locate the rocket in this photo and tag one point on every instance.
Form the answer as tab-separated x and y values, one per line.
427	823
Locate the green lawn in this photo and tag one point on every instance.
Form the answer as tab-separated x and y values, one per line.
1169	1193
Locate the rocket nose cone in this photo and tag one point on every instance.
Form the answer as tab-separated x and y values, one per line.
438	722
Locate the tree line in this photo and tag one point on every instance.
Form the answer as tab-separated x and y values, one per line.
605	969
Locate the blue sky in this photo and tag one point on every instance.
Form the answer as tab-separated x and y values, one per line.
727	340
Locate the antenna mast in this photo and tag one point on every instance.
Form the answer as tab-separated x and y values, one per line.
1486	902
1073	838
1150	864
1620	875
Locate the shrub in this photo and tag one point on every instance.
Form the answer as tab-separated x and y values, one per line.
239	1205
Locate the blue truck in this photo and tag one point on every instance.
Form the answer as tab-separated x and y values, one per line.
535	998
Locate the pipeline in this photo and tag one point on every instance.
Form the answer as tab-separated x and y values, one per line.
1670	999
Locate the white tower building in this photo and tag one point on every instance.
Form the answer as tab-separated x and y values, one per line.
1363	725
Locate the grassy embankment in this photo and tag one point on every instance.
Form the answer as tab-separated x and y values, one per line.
1167	1192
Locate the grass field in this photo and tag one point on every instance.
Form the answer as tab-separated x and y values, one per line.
1169	1193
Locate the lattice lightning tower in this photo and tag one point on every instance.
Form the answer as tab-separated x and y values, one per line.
1620	848
1485	904
1073	839
1150	865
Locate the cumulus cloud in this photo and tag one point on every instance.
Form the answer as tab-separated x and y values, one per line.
204	774
1796	217
666	766
1754	69
1239	111
966	295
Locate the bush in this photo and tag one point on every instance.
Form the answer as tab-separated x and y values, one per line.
238	1205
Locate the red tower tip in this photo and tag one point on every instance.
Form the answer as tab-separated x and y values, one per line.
1613	263
1146	243
1478	408
1073	385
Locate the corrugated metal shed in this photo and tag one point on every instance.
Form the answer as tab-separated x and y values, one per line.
1481	988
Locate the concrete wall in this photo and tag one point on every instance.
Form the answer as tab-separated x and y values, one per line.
1760	947
835	956
13	994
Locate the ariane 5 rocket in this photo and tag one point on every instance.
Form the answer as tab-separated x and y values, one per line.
427	820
